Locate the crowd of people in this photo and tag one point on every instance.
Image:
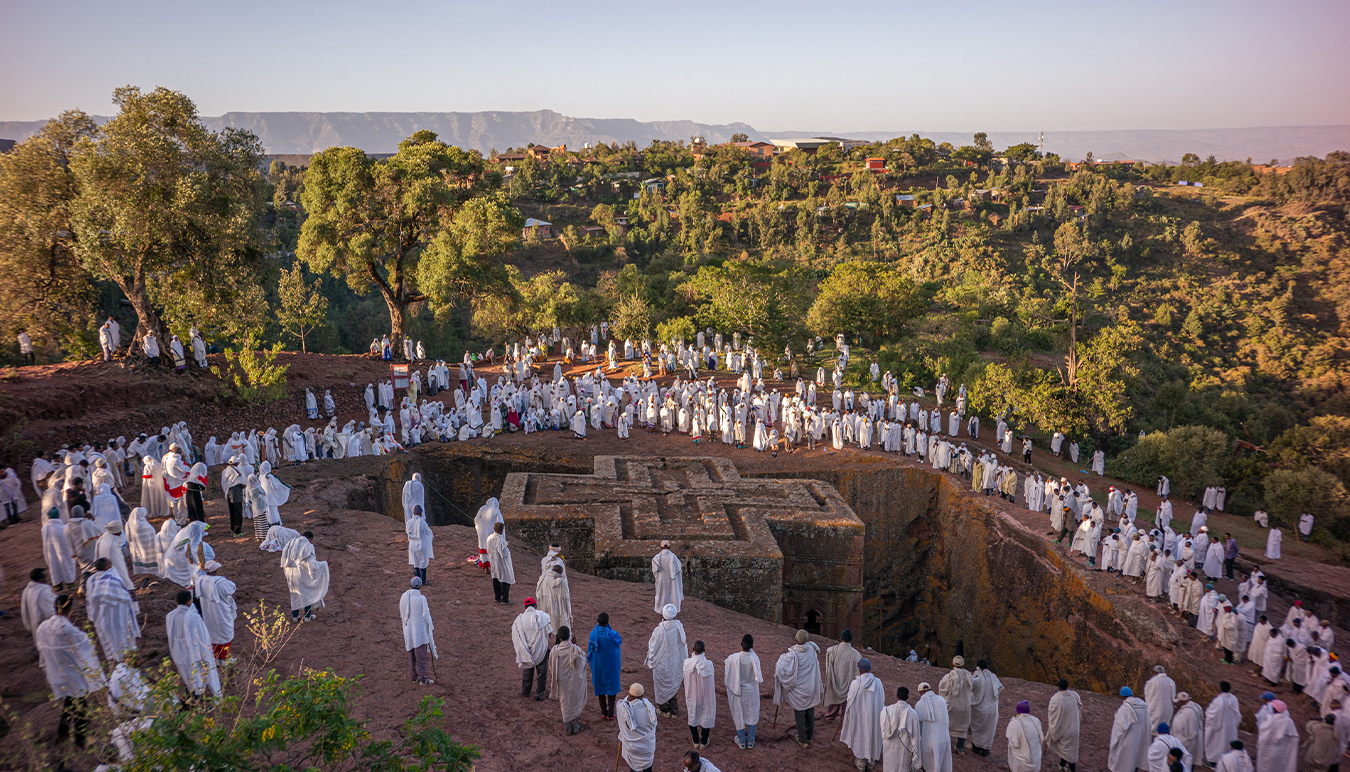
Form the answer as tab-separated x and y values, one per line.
92	552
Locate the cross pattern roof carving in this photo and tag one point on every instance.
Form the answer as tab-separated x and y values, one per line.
694	502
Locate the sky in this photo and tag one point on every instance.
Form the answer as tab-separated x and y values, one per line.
953	65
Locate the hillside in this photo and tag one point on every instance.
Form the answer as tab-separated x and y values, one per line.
284	133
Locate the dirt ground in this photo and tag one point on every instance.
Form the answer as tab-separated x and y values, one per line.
359	632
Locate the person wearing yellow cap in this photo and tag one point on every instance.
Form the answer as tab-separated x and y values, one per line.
636	717
955	688
935	744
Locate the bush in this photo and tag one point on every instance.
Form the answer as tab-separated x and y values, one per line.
1192	457
1291	492
671	330
251	375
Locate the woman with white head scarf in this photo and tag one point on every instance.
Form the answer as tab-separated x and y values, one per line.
278	492
141	538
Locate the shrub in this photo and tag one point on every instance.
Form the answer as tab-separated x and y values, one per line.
679	328
1192	457
1291	492
252	375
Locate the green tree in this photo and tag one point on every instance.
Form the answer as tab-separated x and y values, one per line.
1192	457
1291	492
632	318
872	299
740	137
303	306
46	290
168	211
424	225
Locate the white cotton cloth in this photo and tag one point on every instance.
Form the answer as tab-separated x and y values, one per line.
529	637
742	676
306	577
796	677
1025	740
669	575
666	651
700	691
190	648
934	734
1063	723
1128	748
899	738
219	608
418	629
112	608
637	731
421	550
861	730
67	658
37	605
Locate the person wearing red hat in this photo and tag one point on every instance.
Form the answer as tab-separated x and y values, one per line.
529	636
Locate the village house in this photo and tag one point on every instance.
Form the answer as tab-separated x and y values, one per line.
539	229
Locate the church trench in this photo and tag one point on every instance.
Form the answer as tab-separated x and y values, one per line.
942	572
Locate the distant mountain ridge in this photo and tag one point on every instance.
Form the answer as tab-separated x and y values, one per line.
302	133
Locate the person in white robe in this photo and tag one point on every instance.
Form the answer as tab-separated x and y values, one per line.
529	638
900	750
954	688
569	676
665	658
1160	751
216	595
554	596
37	604
56	549
1025	740
1277	741
1235	760
1160	693
742	676
278	492
306	577
185	551
1188	725
1222	718
1273	543
637	728
483	522
935	746
143	544
861	730
67	658
113	609
1128	748
1063	725
109	546
414	495
421	548
797	681
502	570
700	695
985	688
668	573
841	667
418	633
190	647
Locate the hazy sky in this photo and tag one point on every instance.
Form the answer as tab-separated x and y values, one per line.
936	65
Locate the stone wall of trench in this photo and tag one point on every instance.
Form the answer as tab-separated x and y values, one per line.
945	574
